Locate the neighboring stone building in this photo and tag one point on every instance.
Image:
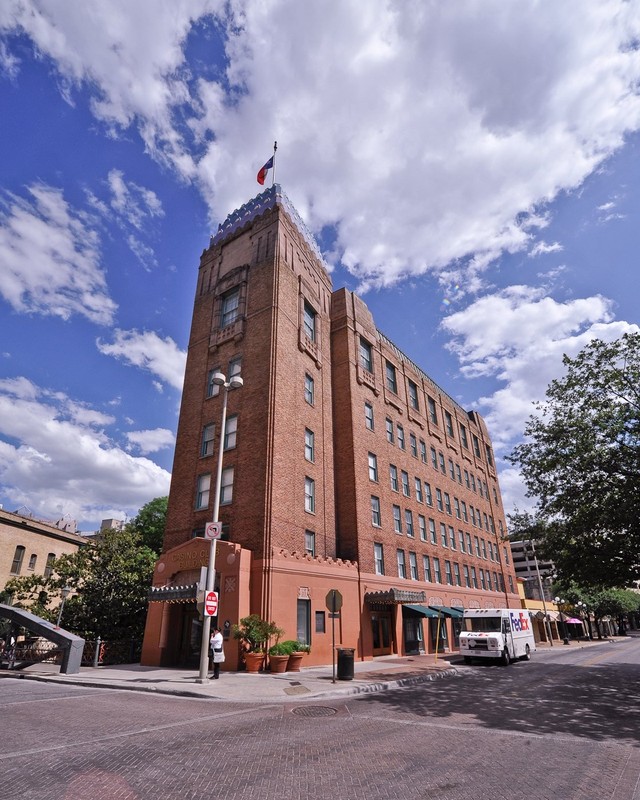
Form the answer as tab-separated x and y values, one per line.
29	546
533	571
345	466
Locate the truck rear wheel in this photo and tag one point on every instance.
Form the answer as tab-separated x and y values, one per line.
504	658
527	654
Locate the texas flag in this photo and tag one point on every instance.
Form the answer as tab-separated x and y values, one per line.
263	172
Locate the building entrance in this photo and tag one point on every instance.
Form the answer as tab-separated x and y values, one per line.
190	638
381	630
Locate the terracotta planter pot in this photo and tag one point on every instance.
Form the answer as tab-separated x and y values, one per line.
254	661
278	663
295	659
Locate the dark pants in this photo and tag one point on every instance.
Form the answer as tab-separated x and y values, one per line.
216	670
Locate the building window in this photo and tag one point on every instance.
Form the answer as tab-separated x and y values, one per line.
463	437
308	389
452	538
444	541
368	416
467	582
18	558
366	355
418	486
401	444
458	474
402	569
206	447
32	561
226	486
447	573
389	426
235	366
393	476
397	519
431	407
309	447
432	531
303	628
320	622
229	307
476	541
413	394
474	578
448	423
428	497
310	495
423	451
212	388
436	570
452	472
309	321
482	579
466	479
443	468
405	484
230	432
413	445
506	554
310	543
422	527
439	504
456	574
461	541
467	537
408	521
489	455
447	503
375	511
426	565
465	516
378	558
390	374
373	468
413	567
204	487
456	508
476	445
434	458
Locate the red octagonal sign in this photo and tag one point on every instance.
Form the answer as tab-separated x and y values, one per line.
211	604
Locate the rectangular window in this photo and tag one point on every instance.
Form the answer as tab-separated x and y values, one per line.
456	574
439	504
458	474
413	445
321	622
32	561
452	537
368	416
443	468
489	455
206	446
426	565
229	307
452	472
476	542
476	445
230	432
418	486
212	388
18	558
448	423
390	374
413	566
401	444
461	541
48	569
506	554
467	536
447	573
484	549
413	394
431	407
465	516
309	446
481	579
432	531
408	522
405	484
447	503
310	543
436	570
428	497
202	493
373	467
389	426
226	486
444	541
378	558
309	321
393	476
235	366
397	519
463	436
366	355
303	627
474	578
402	570
485	519
375	511
422	527
466	479
434	458
308	389
467	582
456	508
423	451
310	495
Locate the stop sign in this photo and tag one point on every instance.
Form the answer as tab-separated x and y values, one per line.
211	604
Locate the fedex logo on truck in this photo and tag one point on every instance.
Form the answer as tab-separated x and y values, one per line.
519	622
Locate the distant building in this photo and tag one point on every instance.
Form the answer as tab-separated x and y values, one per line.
29	546
527	565
345	465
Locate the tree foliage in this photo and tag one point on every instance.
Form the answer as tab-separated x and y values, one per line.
110	579
581	460
150	523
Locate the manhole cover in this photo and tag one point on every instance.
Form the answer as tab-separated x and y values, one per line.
314	711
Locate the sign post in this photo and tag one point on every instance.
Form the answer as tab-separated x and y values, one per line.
333	601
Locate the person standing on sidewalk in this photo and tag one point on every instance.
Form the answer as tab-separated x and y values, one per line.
217	651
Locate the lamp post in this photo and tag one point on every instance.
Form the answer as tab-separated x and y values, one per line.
65	592
547	624
235	382
584	609
563	627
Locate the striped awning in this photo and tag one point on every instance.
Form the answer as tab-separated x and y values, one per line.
394	597
173	594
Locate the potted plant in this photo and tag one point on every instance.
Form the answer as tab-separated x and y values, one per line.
253	632
278	657
297	650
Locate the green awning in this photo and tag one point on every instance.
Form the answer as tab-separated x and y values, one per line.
425	611
454	613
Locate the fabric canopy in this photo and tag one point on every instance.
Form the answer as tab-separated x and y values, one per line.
424	610
573	621
455	613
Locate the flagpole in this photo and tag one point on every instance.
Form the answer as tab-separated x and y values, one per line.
273	176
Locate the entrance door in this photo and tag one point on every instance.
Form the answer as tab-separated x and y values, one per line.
191	637
381	630
413	635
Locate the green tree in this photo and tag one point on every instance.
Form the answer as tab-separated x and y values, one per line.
150	523
581	460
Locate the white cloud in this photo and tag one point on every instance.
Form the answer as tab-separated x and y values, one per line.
147	350
542	248
57	459
424	133
50	259
132	202
151	441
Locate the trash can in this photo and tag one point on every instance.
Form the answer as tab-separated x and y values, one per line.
345	663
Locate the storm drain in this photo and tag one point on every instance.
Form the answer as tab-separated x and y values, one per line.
314	711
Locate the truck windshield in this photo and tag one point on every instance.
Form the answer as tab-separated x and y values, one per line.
482	624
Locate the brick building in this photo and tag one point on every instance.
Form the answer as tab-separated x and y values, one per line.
345	465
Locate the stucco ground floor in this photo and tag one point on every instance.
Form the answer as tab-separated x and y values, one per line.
379	615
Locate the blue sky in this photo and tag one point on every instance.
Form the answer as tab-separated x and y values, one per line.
470	168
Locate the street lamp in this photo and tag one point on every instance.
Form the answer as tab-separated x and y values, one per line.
541	589
65	593
584	609
563	627
235	382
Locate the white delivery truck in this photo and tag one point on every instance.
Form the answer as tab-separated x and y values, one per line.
501	633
